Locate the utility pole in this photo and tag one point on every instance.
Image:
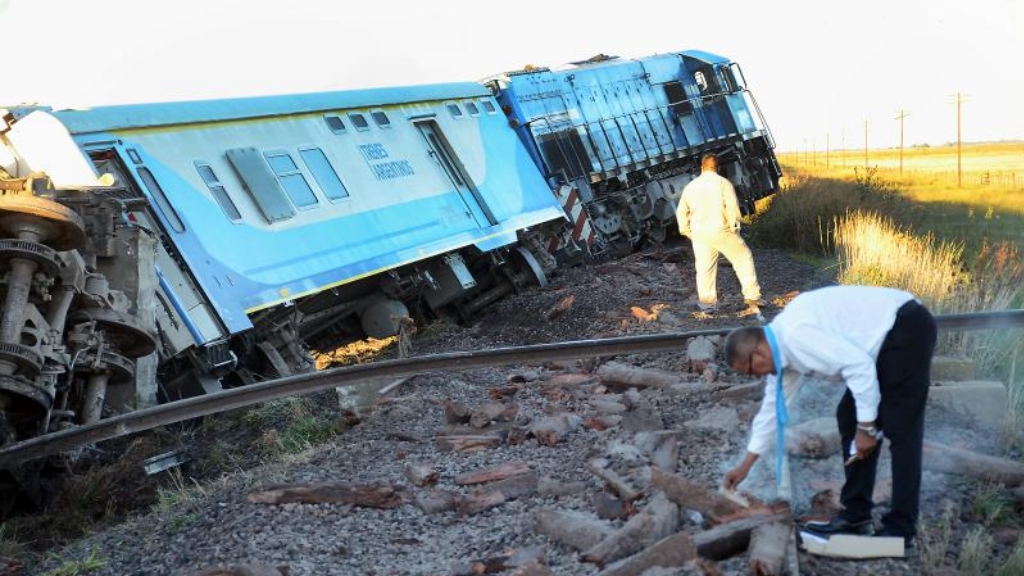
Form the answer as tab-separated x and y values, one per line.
865	145
960	99
814	151
900	116
827	165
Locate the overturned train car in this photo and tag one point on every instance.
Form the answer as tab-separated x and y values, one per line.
169	249
618	140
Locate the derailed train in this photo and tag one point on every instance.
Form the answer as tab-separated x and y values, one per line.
157	251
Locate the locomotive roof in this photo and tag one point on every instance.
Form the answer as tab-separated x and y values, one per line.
603	60
119	117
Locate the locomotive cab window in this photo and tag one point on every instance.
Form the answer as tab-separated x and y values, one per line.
701	80
472	109
335	123
731	78
292	180
454	110
218	191
324	173
489	107
359	121
381	119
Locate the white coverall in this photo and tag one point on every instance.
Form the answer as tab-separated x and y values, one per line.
710	215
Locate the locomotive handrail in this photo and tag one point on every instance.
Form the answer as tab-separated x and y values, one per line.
149	418
764	123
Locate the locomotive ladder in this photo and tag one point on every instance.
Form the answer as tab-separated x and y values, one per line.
181	410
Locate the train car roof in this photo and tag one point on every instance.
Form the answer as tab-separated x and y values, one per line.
120	117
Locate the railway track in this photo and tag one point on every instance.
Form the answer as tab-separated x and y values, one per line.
149	418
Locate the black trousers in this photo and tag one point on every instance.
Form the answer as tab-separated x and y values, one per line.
904	366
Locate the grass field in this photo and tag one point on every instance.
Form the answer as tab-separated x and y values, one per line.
987	205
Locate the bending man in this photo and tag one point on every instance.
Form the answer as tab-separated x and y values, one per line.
880	342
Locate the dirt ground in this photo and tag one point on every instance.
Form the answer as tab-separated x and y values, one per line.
651	291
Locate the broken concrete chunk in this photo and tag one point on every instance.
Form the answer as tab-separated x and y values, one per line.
574	529
421	474
553	429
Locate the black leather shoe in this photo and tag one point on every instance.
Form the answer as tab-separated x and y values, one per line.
838	525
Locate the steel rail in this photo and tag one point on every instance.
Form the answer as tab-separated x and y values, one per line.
149	418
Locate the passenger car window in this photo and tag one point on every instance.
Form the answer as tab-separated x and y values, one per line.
218	191
359	121
324	173
292	180
381	119
336	124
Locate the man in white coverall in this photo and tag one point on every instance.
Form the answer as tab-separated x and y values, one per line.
709	215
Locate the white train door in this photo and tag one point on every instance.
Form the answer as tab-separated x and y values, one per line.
448	164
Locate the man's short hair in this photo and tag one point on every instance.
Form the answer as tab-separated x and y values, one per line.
709	160
741	341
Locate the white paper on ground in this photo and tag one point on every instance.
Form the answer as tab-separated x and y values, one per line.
851	546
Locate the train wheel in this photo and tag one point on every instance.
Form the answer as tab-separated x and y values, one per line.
620	246
383	318
61	227
657	233
125	332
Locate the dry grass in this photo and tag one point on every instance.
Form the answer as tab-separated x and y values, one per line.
934	540
976	553
1014	564
872	250
802	215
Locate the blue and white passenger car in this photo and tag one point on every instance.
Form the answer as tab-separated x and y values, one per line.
233	232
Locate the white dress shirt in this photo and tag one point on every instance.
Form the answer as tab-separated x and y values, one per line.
834	332
708	206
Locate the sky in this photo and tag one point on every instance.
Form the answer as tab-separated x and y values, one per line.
819	70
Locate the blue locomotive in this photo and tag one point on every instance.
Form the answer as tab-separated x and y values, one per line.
618	139
182	246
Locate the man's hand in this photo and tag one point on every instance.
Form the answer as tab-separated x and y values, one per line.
734	477
739	473
866	443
